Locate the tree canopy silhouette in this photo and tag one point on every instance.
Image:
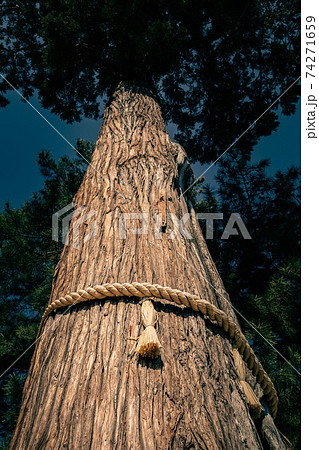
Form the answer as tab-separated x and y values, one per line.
214	67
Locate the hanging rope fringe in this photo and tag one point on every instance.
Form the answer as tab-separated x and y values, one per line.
143	290
252	400
148	344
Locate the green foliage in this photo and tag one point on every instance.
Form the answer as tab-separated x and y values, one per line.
215	68
27	261
270	209
279	310
12	390
262	275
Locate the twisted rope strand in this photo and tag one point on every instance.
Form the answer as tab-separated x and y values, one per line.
142	290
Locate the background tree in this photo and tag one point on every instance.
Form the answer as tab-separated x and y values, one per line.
214	69
27	261
262	275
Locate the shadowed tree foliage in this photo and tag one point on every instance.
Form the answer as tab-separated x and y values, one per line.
214	67
27	261
262	275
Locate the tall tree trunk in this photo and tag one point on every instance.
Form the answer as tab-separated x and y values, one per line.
85	390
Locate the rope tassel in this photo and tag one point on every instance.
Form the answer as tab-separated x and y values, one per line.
148	345
252	400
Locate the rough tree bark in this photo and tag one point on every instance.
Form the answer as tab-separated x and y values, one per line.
84	389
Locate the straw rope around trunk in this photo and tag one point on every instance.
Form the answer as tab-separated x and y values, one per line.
194	302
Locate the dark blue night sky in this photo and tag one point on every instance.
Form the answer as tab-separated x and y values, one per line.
24	134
